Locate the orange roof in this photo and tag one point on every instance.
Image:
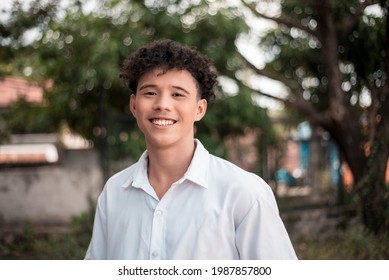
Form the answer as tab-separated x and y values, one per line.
12	88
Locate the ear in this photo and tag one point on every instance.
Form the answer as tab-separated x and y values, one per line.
201	109
132	105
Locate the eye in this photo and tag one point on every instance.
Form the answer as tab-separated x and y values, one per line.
177	94
149	93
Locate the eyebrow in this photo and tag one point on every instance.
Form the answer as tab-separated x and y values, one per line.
182	89
155	86
147	86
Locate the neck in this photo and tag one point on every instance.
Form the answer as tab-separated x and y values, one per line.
168	165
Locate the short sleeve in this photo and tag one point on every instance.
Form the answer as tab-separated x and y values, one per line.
261	234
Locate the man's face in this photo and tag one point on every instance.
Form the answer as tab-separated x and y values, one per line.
166	105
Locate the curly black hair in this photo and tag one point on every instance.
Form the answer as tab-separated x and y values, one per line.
168	55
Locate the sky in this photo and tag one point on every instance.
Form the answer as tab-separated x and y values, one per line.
5	3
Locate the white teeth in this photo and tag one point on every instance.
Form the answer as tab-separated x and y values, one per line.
162	122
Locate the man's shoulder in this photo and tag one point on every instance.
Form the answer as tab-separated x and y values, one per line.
225	165
236	186
226	171
123	177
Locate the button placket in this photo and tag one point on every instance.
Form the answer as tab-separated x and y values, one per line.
157	234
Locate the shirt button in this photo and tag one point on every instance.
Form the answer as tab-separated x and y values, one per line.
155	254
158	213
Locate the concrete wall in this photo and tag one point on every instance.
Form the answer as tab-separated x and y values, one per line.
50	194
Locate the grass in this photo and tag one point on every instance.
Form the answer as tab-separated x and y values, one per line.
355	243
69	245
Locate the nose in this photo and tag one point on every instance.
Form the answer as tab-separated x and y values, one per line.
162	102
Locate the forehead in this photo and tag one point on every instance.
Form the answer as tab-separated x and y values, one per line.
171	77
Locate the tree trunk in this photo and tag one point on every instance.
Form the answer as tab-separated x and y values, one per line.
372	189
368	170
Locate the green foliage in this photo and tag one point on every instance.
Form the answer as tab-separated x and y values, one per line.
25	117
298	54
14	25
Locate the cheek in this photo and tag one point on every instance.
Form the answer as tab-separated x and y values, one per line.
138	108
141	124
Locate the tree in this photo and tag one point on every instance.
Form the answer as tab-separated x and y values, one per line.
81	52
333	57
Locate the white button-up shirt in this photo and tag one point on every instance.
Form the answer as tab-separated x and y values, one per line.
215	211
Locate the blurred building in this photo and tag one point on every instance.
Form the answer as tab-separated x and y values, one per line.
45	178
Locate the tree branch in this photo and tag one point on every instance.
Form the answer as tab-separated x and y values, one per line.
281	20
300	105
270	74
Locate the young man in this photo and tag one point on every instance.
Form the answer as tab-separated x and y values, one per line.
178	201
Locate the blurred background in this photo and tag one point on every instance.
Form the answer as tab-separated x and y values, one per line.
302	101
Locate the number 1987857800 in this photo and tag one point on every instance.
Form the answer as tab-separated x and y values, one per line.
245	270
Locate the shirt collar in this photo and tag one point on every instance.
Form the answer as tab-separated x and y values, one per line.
139	177
197	171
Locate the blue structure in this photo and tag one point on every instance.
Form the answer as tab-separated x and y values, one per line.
283	176
303	137
334	160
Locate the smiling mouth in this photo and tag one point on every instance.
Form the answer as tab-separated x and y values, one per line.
162	122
